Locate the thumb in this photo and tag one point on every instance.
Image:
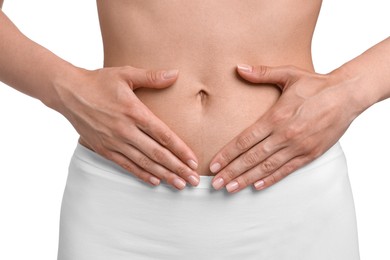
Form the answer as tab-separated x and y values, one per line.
140	78
280	76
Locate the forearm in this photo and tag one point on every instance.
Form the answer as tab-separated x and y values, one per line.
369	75
29	67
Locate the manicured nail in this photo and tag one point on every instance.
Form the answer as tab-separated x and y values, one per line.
232	186
244	67
193	180
154	181
170	74
259	184
180	184
218	183
192	164
215	167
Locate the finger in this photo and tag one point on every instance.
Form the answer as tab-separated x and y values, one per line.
162	134
281	173
280	76
150	166
246	161
132	168
150	152
263	169
241	143
138	78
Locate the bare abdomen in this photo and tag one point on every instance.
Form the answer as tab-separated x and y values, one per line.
207	115
209	104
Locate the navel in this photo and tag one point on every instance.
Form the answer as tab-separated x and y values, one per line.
203	95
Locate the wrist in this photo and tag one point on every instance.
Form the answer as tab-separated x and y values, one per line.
355	89
65	80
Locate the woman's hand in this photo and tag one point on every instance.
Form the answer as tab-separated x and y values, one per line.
312	113
113	122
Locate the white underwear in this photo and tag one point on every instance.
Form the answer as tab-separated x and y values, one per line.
108	214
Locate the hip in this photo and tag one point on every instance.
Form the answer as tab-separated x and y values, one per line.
108	212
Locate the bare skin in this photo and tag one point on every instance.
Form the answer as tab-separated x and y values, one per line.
209	111
209	104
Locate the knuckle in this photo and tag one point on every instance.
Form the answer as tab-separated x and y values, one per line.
267	166
124	72
158	155
143	122
181	153
289	168
311	156
128	68
245	181
162	174
144	177
266	148
181	171
134	111
305	148
166	138
100	149
291	132
144	162
293	73
230	173
151	76
262	70
138	114
278	116
120	130
106	154
272	179
169	177
141	175
127	166
226	157
245	141
251	158
291	68
316	152
109	156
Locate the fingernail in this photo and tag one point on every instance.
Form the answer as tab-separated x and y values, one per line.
170	74
154	181
215	167
244	67
193	180
180	184
218	183
192	164
232	186
259	184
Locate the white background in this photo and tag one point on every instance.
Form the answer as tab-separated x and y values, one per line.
36	143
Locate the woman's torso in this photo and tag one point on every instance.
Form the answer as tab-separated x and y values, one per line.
208	105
